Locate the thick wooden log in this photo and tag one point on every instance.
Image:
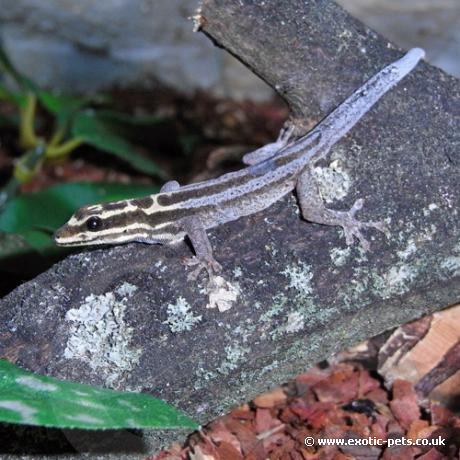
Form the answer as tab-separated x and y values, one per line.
126	317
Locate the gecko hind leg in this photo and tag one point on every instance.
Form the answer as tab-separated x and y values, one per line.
269	150
314	210
204	258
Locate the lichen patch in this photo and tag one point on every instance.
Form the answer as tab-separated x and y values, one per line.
333	181
233	355
410	249
126	290
100	336
340	256
452	265
299	277
295	322
397	280
180	317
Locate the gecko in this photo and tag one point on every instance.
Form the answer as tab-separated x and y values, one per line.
271	172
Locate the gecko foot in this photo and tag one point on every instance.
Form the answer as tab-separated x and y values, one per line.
286	133
352	226
211	266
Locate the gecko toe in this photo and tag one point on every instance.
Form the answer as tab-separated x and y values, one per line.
212	267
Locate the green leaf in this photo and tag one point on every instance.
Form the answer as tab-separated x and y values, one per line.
33	399
58	103
35	216
96	132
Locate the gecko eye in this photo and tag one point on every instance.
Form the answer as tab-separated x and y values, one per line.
94	223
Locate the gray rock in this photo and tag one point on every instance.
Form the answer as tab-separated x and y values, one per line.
89	45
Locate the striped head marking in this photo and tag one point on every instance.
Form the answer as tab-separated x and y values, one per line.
113	223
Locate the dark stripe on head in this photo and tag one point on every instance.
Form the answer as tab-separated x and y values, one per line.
81	213
159	217
125	218
86	211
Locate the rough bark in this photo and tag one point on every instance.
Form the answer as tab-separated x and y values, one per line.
303	294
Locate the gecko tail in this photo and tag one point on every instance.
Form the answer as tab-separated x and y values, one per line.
411	58
346	115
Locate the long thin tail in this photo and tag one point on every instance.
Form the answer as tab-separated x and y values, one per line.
347	114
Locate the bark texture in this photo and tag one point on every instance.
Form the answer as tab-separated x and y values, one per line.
302	294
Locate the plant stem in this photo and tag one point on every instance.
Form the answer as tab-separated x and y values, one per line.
29	163
57	137
63	149
27	136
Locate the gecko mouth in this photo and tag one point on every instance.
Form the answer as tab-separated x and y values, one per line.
62	240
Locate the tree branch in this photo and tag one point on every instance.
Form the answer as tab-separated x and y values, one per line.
302	293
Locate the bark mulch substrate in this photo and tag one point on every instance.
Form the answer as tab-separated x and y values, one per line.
342	402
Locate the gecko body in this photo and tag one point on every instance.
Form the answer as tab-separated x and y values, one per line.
272	172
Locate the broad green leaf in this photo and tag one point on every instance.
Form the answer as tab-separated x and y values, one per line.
8	191
64	105
96	132
40	240
35	216
33	399
57	103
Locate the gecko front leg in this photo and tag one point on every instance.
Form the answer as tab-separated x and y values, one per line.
314	210
204	258
196	233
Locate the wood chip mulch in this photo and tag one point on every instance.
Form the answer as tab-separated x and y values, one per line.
344	401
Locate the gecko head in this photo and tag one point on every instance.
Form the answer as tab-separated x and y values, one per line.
85	227
112	223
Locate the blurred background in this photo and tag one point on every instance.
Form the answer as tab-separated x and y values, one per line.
89	45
